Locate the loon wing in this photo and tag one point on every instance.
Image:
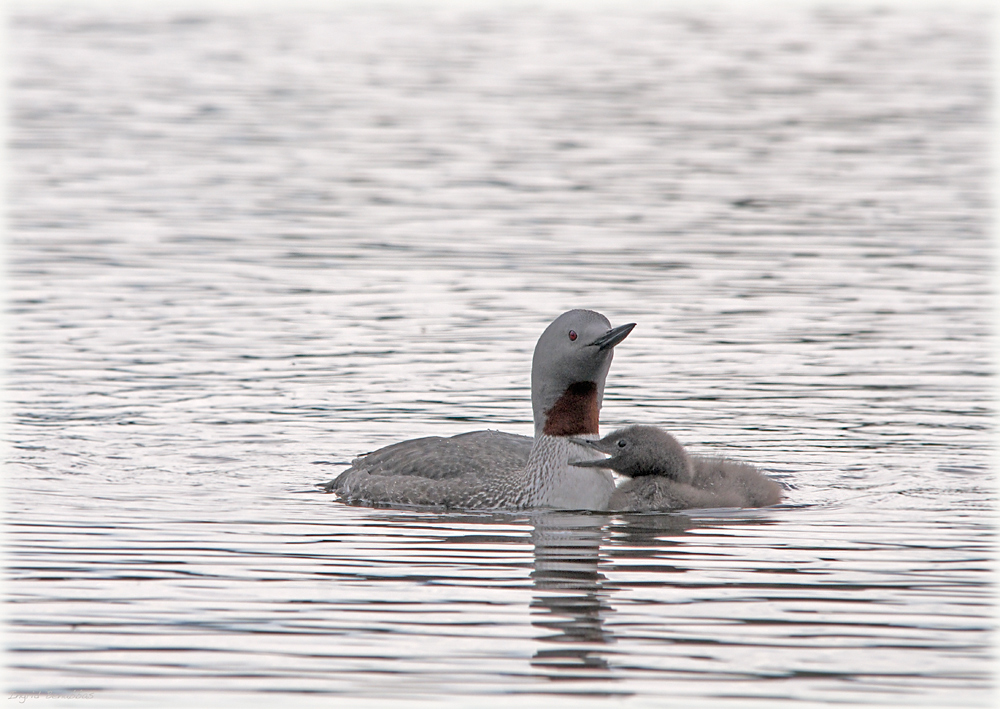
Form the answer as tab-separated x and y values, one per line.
731	480
435	458
718	482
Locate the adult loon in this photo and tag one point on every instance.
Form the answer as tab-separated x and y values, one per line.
664	477
494	470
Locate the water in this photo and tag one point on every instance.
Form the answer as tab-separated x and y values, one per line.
244	248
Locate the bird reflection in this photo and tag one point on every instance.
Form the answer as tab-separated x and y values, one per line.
569	599
640	531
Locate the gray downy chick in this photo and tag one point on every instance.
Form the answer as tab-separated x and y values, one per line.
664	477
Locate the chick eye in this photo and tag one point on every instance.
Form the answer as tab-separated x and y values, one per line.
622	443
572	335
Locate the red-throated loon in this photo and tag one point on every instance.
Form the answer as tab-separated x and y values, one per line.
664	477
494	470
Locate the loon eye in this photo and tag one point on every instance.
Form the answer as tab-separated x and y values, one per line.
622	443
572	335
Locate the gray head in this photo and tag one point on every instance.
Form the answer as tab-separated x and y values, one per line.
568	369
641	450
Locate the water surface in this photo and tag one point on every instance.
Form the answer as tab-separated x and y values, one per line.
244	248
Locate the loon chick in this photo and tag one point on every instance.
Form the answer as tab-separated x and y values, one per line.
664	477
494	470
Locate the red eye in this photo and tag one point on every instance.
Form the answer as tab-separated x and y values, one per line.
572	335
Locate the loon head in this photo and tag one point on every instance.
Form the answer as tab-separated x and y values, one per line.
641	450
568	369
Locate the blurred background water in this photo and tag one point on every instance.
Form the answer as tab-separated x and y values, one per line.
244	247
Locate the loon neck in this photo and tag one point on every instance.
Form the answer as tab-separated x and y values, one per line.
548	479
575	413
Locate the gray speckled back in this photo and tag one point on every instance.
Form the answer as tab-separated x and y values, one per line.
480	470
437	458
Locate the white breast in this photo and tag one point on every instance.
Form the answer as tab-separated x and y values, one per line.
561	486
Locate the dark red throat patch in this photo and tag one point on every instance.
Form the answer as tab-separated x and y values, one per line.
575	412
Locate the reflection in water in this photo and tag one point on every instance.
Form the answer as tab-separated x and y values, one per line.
570	598
643	530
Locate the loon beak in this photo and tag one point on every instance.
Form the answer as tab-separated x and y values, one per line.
602	463
612	337
583	441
